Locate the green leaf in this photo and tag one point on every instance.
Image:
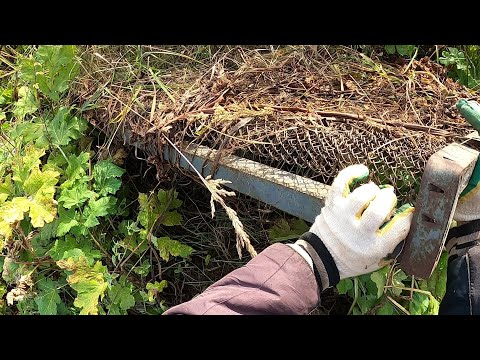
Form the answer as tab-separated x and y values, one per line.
75	254
10	270
168	199
26	306
105	174
419	304
88	282
143	269
32	132
52	69
121	296
398	279
344	285
48	298
3	290
356	312
153	207
390	49
287	230
406	50
136	243
26	104
386	309
64	127
6	96
155	288
128	227
63	249
433	306
147	213
379	277
76	196
437	283
96	209
67	220
167	247
43	240
367	302
76	169
171	218
368	285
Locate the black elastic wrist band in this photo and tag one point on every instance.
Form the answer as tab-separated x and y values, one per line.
465	229
315	272
325	256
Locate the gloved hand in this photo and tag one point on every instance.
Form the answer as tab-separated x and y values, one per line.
468	205
355	231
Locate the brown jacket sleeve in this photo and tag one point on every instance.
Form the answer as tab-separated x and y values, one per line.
277	281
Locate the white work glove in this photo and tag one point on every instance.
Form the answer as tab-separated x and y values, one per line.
356	228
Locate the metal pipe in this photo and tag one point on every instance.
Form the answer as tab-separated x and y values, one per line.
294	194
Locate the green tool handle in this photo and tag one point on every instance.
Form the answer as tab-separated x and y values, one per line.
470	110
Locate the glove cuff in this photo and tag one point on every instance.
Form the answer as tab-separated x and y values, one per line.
324	267
461	238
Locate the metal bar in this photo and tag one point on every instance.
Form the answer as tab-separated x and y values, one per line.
294	194
446	174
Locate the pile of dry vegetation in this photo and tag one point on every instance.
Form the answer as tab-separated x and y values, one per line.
308	111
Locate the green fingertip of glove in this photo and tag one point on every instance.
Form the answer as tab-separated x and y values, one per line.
385	186
358	179
403	208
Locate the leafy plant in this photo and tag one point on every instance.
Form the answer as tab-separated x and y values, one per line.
157	209
463	66
51	69
402	50
389	291
64	226
287	230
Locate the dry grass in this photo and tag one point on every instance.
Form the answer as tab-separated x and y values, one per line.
304	111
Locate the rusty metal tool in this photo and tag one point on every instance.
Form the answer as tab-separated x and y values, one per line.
446	175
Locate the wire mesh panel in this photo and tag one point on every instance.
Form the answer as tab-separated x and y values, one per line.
310	112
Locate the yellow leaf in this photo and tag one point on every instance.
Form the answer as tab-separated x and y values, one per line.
42	213
29	161
5	229
6	188
88	282
41	184
12	211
